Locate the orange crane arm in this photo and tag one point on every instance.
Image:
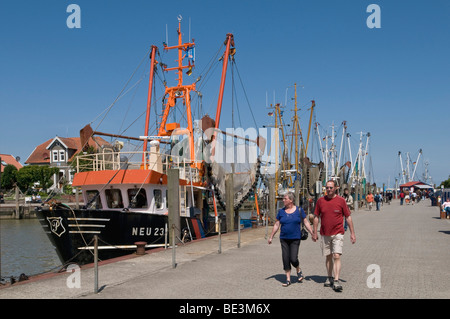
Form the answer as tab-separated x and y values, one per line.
149	96
229	42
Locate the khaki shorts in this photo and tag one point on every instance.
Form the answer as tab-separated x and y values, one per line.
332	244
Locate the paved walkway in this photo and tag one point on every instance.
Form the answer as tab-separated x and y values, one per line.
408	246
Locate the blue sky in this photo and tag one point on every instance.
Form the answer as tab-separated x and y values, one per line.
392	81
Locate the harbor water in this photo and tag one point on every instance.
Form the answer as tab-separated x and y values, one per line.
25	249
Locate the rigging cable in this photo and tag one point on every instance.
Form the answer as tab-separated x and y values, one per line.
213	62
120	93
132	99
245	93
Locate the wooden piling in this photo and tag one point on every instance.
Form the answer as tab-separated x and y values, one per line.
272	200
229	201
173	186
174	263
220	237
95	263
77	200
297	192
17	213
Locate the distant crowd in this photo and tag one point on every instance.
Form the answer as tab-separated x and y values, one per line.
372	200
412	197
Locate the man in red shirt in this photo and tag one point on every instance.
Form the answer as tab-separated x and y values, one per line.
331	209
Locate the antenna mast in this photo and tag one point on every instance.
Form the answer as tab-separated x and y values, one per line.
180	91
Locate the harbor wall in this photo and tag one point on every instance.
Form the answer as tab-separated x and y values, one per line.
9	210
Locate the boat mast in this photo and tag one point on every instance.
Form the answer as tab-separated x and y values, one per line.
342	145
229	43
295	132
299	154
229	50
350	154
326	157
149	97
333	154
357	171
364	154
309	127
284	165
401	165
415	165
320	142
179	91
407	167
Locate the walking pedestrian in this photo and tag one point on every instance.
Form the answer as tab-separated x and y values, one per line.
369	200
332	209
413	197
402	197
389	197
290	219
378	200
349	201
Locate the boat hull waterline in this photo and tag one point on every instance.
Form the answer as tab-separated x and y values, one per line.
72	231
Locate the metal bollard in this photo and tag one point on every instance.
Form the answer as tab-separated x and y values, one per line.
95	263
173	247
165	236
220	236
140	247
239	231
267	225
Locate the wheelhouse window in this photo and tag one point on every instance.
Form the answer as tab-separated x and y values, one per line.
137	198
114	198
97	201
157	195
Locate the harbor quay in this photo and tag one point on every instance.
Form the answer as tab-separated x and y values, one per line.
401	252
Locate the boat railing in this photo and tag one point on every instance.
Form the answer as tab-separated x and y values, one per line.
160	162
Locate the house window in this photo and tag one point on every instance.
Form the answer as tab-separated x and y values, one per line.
62	156
157	195
137	198
55	156
114	198
71	176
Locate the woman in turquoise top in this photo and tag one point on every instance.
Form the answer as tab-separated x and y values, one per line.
290	220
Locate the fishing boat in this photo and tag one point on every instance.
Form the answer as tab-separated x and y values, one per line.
126	194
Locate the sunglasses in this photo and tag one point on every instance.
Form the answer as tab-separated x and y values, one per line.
329	187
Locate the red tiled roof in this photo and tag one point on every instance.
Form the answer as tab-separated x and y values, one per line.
409	184
9	160
41	155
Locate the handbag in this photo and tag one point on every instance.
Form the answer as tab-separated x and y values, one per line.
304	233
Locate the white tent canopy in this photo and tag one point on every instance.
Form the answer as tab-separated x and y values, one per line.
423	186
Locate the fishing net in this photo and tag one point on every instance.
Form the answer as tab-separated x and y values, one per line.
228	153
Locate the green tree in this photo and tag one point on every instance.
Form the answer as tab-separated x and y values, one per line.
25	178
44	175
446	183
9	177
28	175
